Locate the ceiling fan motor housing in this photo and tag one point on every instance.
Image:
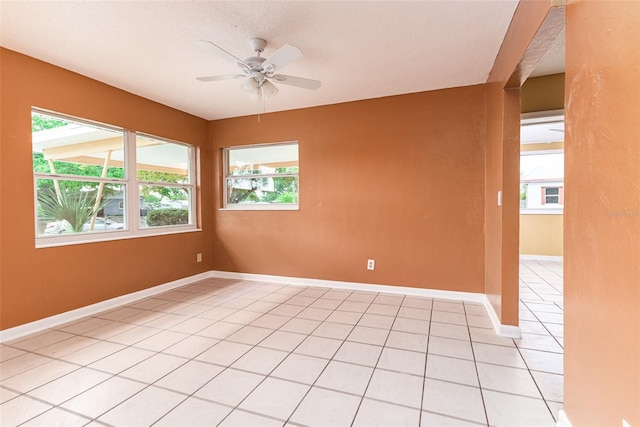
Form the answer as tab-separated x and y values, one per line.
258	45
255	62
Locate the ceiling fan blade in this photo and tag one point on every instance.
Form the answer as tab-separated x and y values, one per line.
296	81
222	53
281	57
224	77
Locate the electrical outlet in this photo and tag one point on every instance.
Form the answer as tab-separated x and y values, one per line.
371	264
198	257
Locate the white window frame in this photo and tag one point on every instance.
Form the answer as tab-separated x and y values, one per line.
132	197
258	206
191	186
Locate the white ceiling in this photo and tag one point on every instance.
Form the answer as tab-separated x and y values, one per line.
358	49
543	132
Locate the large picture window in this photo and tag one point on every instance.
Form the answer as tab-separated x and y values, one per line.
97	182
262	176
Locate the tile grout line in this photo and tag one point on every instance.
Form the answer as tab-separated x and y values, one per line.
536	383
426	358
232	295
147	385
336	352
364	393
237	406
293	350
475	364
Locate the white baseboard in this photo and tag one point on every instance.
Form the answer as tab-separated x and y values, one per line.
542	257
506	331
69	316
354	286
563	420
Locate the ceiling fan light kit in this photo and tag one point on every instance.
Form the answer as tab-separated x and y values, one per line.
258	72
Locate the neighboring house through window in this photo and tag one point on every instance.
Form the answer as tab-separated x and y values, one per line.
541	182
261	177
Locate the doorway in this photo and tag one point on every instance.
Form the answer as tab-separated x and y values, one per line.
542	190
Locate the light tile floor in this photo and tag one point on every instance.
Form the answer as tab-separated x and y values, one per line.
233	353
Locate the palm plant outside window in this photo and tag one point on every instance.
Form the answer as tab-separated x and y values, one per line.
99	182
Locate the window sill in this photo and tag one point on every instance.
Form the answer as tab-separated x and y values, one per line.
261	207
68	240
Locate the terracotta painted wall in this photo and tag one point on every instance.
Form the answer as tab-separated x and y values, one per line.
602	214
397	179
502	160
36	283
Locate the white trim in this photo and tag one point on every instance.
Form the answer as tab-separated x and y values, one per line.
355	286
551	211
541	116
59	319
69	316
261	207
506	331
542	257
107	236
539	152
563	420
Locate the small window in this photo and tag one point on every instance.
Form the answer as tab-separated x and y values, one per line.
262	177
552	195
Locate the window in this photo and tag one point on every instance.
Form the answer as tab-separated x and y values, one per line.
552	195
98	182
262	176
164	182
542	182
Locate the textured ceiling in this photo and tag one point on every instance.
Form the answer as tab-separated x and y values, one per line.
553	60
359	50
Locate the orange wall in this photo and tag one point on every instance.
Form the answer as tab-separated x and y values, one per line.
36	283
397	179
602	214
503	161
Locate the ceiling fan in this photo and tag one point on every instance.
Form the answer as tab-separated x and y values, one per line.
258	72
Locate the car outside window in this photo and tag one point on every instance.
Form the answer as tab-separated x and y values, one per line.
99	182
